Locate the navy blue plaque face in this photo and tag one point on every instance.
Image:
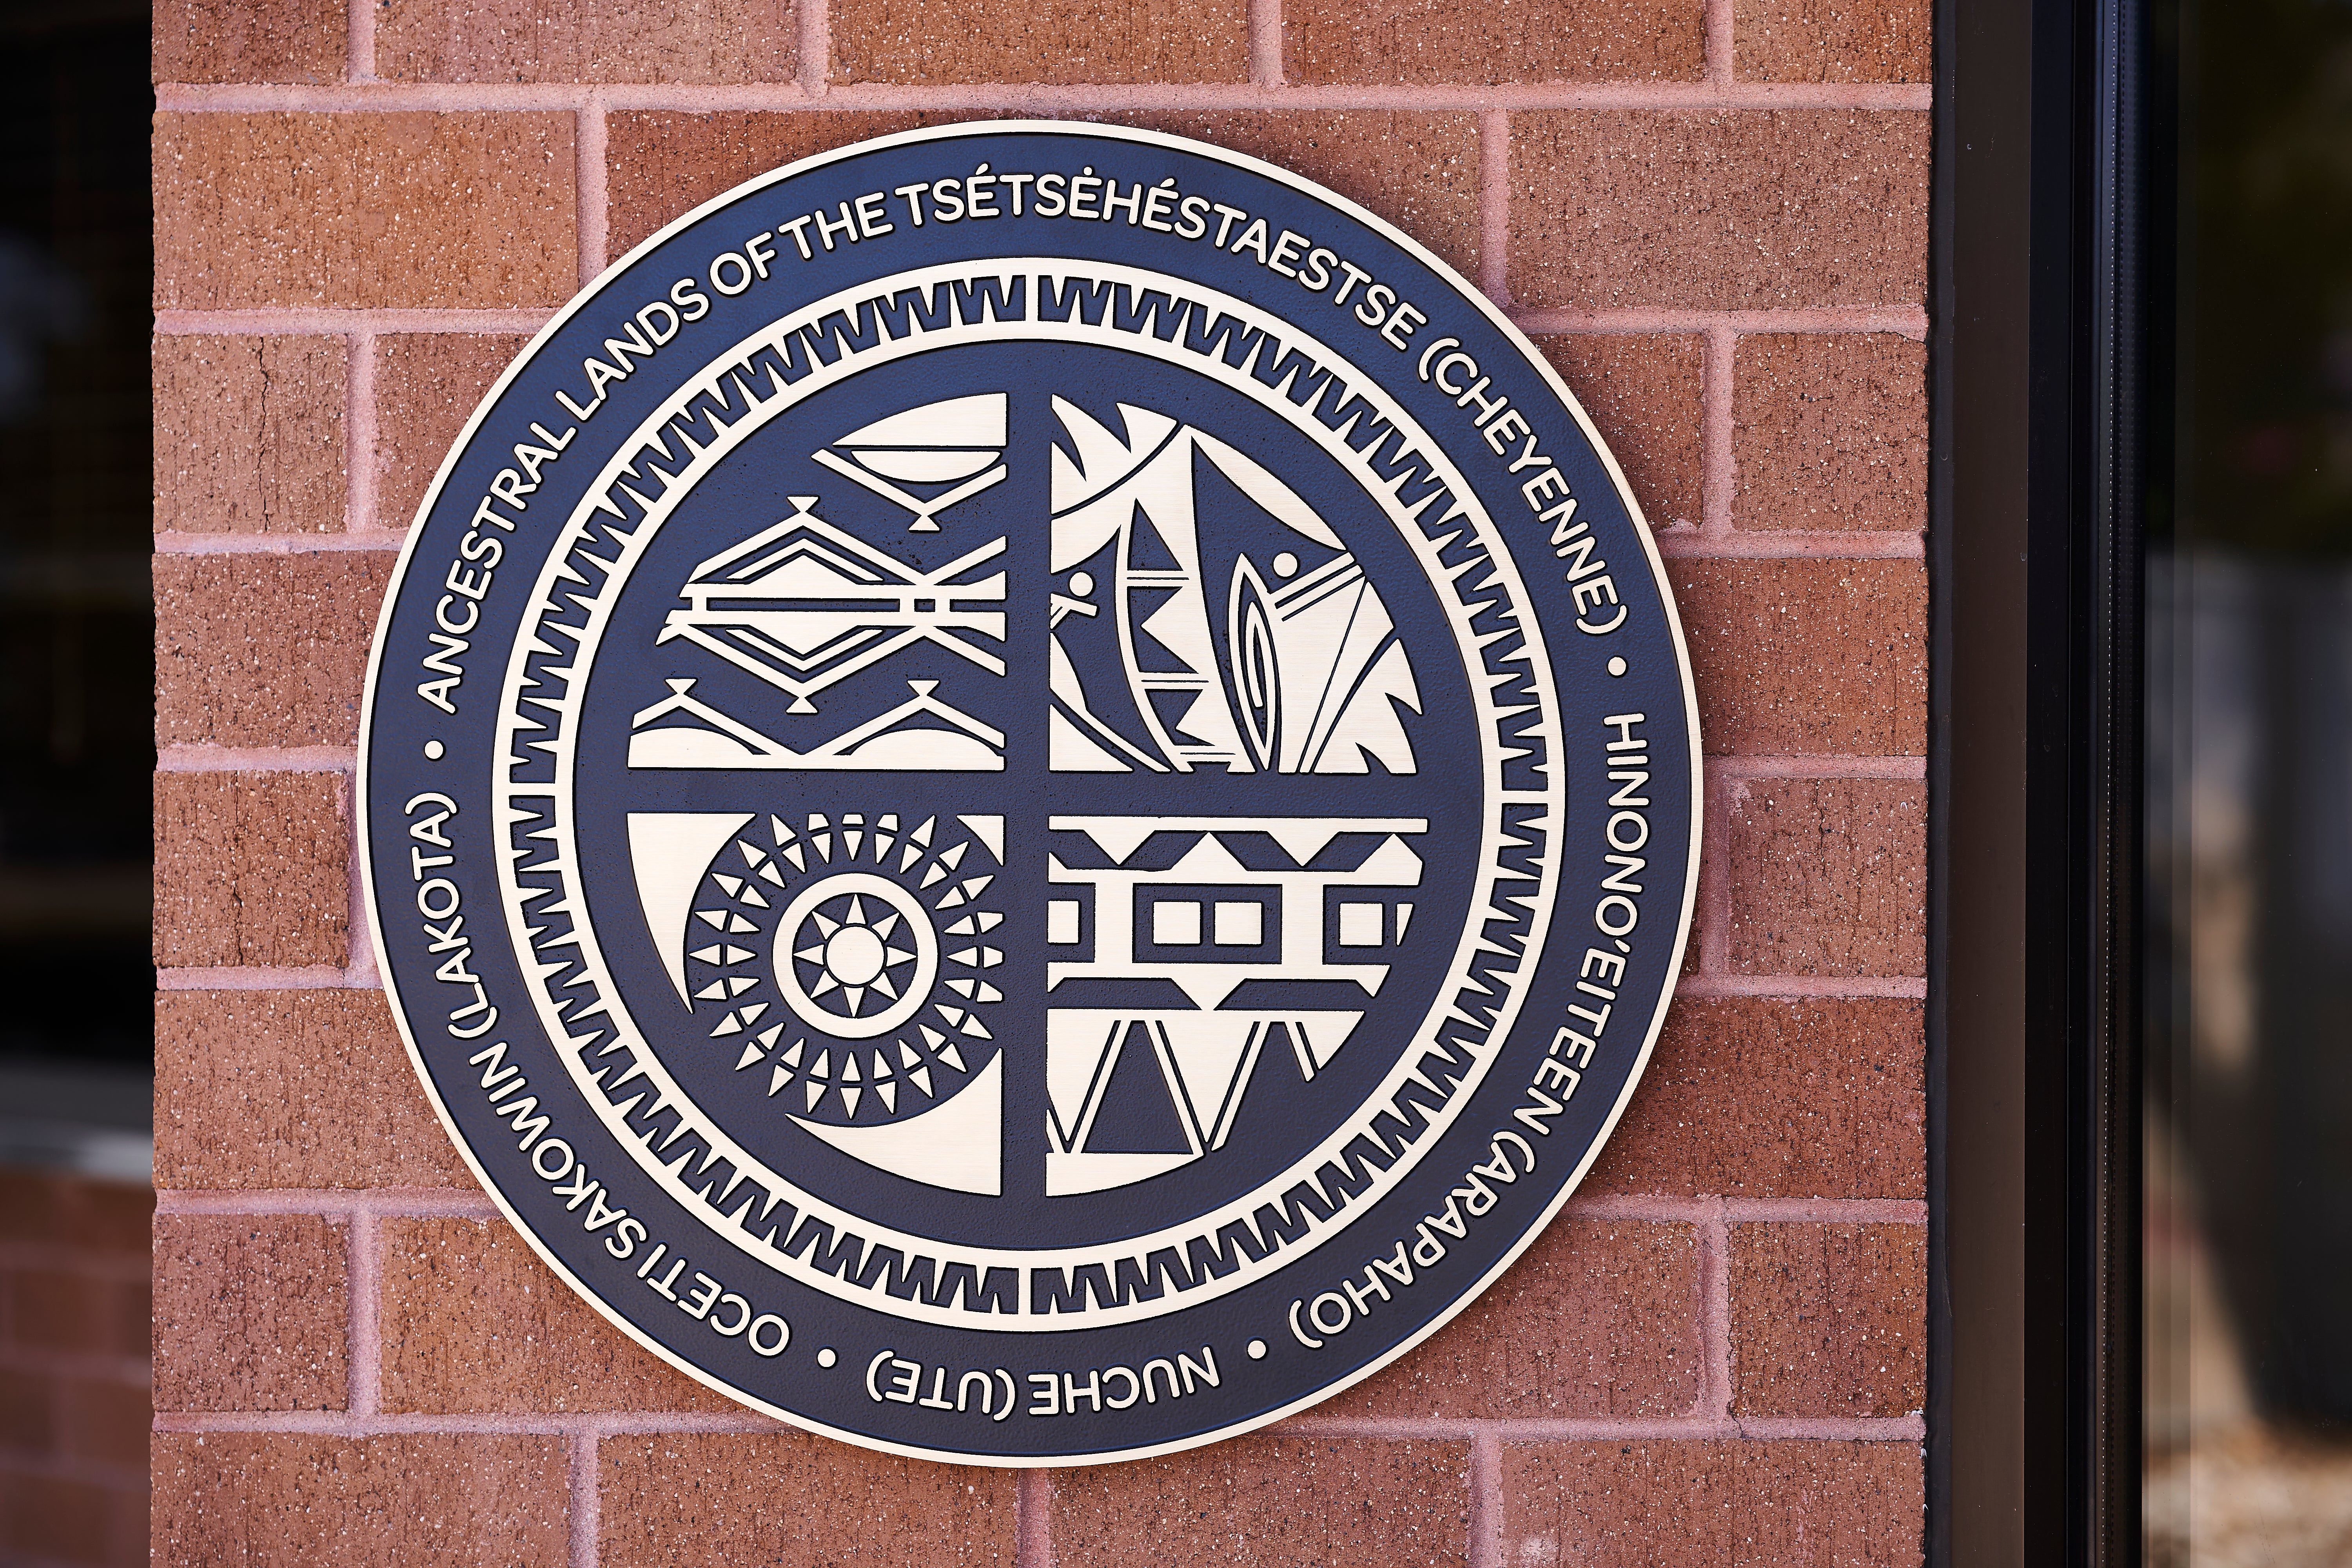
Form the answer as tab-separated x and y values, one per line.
1030	793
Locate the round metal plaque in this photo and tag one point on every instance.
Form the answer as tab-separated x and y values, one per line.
1030	793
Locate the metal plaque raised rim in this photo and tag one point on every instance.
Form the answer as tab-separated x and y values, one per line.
1465	292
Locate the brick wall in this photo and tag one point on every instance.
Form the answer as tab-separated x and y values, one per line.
73	1370
1712	215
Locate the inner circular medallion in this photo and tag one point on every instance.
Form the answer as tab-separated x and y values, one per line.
855	955
852	955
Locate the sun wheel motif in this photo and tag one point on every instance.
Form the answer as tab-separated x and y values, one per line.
847	954
850	953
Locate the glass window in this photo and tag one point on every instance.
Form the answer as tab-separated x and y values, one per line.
75	631
2248	1130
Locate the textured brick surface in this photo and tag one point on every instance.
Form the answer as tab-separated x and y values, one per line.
1271	1502
1765	1097
249	40
426	387
718	1501
472	1321
1833	40
1460	41
1418	170
1806	658
264	650
660	164
411	209
1679	210
249	869
1832	432
600	40
250	1312
1719	210
291	1088
287	1500
1827	876
1643	393
1728	1504
249	435
933	41
1597	1317
1829	1319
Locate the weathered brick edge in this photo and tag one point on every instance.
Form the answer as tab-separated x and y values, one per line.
1711	1415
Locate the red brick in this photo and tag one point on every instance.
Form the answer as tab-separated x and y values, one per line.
249	435
105	1421
1833	40
287	1500
250	40
426	387
1708	895
1057	41
1643	394
1600	1318
1439	41
668	41
1829	1319
291	1089
129	1529
50	1519
1832	432
677	1501
1719	210
1729	1504
106	1216
250	868
474	1321
1271	1502
264	650
27	1411
1806	658
1827	876
660	164
70	1303
29	1203
384	210
251	1313
89	1215
1417	169
1766	1097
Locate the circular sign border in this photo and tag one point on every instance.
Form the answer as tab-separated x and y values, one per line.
1463	290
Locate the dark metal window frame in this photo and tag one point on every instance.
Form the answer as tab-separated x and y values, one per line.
2038	364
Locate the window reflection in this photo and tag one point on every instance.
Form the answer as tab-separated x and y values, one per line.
2247	1255
75	631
